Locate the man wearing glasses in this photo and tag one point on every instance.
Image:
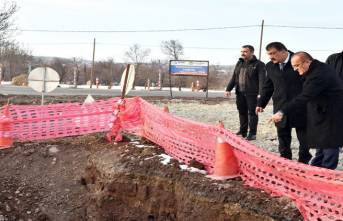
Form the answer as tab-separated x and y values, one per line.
323	94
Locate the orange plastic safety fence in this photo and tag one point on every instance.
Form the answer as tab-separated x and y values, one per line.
317	192
36	122
182	139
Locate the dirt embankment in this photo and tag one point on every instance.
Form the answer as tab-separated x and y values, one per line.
137	186
87	178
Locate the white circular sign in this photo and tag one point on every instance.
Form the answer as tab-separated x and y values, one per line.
43	79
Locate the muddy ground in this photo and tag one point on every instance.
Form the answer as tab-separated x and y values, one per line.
87	178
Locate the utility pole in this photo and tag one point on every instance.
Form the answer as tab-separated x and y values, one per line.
85	72
29	68
92	70
261	37
0	73
75	75
159	75
111	74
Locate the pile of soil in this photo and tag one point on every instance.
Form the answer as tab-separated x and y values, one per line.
88	178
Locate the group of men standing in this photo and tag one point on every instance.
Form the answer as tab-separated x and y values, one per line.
307	95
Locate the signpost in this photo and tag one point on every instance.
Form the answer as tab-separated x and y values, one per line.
0	73
44	80
127	79
188	68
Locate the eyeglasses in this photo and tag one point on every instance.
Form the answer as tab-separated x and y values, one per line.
296	66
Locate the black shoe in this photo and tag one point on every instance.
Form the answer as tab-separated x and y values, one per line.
306	159
240	133
251	137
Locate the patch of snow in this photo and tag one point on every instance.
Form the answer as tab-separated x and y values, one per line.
140	146
166	159
148	158
53	149
192	169
6	82
183	167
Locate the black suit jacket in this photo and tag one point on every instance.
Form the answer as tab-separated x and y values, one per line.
282	87
336	62
323	94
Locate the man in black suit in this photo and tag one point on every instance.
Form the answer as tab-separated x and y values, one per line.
336	62
283	84
323	94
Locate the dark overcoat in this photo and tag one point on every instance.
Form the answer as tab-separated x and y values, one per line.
283	86
336	62
255	76
323	94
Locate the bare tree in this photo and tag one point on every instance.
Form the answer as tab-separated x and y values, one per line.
6	13
138	56
13	59
61	66
172	48
103	71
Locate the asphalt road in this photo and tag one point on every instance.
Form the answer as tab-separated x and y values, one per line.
22	90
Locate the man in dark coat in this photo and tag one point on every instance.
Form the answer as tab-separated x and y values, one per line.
323	94
336	62
283	84
247	79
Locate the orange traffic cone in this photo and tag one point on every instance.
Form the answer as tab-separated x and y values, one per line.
166	109
6	139
225	165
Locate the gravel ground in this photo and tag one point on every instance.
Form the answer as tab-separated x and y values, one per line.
211	112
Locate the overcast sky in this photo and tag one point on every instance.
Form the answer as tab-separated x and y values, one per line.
218	46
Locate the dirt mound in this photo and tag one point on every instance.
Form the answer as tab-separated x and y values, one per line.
137	186
87	178
41	180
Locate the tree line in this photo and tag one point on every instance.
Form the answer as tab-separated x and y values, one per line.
16	60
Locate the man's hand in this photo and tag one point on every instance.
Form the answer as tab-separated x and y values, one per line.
259	110
227	94
277	117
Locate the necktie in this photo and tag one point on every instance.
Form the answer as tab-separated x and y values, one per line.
282	65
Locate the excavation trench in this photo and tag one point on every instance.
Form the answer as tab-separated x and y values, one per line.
131	183
87	178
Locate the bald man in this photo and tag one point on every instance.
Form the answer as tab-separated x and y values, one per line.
323	95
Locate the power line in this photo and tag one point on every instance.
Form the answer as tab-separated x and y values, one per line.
136	31
158	46
177	29
61	43
126	45
305	27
